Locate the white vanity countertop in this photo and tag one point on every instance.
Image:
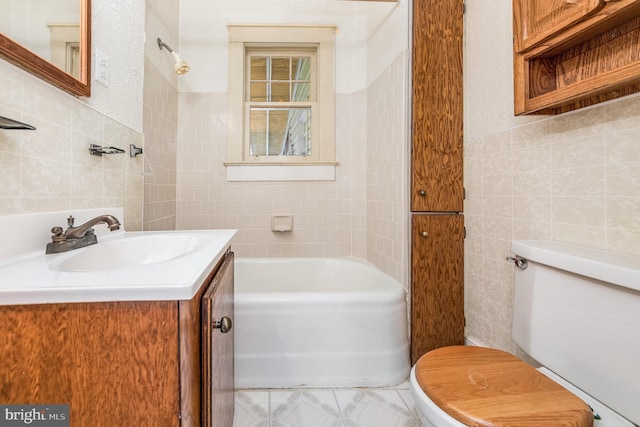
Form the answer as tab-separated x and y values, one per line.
36	278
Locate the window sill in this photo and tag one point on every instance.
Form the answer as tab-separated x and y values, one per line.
251	172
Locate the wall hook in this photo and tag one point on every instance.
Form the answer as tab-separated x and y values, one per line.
134	151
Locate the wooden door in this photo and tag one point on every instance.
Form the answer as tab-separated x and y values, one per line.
217	348
536	20
437	106
437	282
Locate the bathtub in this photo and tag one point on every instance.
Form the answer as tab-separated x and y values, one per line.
318	322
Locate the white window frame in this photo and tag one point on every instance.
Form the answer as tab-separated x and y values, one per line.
321	164
297	51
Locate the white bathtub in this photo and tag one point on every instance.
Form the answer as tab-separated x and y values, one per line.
318	322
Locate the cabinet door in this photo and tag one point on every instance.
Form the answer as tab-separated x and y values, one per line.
217	348
113	363
536	20
436	159
437	282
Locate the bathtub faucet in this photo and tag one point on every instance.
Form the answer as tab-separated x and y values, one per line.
78	237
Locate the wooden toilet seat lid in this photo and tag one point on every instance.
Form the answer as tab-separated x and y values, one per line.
486	387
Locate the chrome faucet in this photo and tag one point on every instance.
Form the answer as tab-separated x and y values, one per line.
78	237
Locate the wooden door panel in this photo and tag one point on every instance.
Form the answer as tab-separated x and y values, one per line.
218	366
536	20
437	106
437	282
114	363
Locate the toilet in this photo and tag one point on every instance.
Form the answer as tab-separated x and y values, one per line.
577	312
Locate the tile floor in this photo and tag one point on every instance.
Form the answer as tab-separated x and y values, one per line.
358	407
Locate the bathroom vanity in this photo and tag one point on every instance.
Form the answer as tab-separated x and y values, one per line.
135	353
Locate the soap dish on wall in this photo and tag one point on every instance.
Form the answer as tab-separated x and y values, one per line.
281	223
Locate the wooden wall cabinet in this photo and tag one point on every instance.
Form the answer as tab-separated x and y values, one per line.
115	363
538	20
572	54
437	306
436	160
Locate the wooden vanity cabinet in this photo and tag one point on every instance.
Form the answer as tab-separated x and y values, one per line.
437	303
569	55
217	349
115	363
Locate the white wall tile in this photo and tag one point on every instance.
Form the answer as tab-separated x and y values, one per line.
51	168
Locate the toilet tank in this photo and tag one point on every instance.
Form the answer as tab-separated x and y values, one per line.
577	312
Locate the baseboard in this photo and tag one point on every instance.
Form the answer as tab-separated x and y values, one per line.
473	342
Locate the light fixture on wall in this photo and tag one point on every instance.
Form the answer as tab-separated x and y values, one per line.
180	66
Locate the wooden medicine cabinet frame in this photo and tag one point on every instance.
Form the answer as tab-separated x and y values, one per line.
24	58
590	61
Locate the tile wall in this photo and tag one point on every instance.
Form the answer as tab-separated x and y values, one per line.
324	220
388	171
359	214
160	121
572	178
50	168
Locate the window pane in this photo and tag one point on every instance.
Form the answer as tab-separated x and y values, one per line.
279	92
258	68
300	92
258	137
280	68
301	69
277	128
297	139
280	131
258	92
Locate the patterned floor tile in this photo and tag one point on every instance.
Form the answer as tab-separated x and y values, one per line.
252	409
304	408
407	397
387	407
374	408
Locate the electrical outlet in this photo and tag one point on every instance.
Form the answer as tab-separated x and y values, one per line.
101	67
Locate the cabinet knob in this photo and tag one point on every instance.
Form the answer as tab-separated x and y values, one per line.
422	193
225	324
424	234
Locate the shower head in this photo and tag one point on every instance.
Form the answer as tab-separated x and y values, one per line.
180	66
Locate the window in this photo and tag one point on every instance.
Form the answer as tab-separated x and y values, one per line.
281	102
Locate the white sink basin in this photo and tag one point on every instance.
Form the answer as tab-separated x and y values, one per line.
130	252
122	266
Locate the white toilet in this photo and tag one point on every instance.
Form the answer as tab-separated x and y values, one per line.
577	312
